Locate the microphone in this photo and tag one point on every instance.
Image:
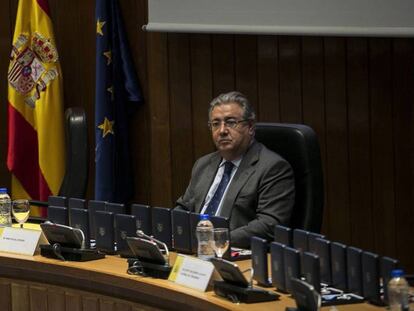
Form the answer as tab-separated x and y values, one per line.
141	234
82	236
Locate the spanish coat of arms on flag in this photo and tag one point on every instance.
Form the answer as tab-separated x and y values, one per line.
36	155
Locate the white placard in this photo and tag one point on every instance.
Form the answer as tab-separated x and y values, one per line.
191	272
19	241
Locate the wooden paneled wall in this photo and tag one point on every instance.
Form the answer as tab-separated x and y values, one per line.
357	93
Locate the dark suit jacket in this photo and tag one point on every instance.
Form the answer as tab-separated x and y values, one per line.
260	195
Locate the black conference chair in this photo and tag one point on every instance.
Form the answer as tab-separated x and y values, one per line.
298	144
75	180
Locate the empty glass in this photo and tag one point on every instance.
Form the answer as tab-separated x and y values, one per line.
221	241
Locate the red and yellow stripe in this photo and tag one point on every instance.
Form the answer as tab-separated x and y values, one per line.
36	156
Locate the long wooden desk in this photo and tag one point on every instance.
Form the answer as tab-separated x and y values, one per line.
38	283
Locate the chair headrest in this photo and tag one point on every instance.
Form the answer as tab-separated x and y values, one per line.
298	144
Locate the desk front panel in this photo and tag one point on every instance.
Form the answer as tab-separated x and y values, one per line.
38	283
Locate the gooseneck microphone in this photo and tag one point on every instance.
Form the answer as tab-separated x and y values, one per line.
141	234
82	236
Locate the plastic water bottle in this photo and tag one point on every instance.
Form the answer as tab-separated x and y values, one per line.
398	291
5	208
204	232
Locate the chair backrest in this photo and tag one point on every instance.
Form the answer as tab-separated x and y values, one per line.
298	144
77	154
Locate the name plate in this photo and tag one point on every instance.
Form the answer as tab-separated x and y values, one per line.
20	241
191	272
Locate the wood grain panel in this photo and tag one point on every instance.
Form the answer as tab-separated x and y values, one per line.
137	307
122	307
267	79
223	64
245	51
20	297
73	301
359	143
160	140
180	112
13	13
403	94
106	305
290	79
313	86
140	153
5	295
68	23
201	92
337	209
90	303
38	298
55	299
313	97
382	157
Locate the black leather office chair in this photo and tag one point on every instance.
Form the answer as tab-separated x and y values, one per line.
298	144
75	180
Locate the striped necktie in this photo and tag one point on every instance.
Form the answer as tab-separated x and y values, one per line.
218	195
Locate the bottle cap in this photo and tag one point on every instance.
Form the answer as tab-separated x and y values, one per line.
396	273
204	216
3	190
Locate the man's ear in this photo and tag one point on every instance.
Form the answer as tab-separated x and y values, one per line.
252	128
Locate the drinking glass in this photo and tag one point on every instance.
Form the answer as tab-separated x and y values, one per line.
21	211
221	241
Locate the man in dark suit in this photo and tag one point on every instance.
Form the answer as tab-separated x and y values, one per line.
242	180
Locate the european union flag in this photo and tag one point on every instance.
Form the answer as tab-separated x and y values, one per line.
117	95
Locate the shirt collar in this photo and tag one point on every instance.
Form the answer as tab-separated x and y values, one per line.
236	162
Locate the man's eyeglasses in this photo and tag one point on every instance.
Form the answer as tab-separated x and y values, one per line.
229	123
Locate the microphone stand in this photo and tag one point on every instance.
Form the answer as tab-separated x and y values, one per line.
146	268
164	246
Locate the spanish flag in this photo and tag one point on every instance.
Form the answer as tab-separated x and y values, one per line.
36	155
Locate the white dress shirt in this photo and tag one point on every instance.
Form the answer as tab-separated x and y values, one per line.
216	183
